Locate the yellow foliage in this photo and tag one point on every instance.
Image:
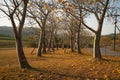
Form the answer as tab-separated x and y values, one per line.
46	7
71	6
106	77
1	78
86	1
118	71
90	2
64	2
59	1
113	71
95	0
41	76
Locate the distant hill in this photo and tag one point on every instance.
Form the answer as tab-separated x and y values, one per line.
7	31
112	35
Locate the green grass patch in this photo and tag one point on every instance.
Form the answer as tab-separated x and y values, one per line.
7	43
7	38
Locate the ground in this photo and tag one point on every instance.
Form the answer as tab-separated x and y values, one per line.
59	66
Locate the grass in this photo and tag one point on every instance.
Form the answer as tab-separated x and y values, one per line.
10	42
58	66
7	38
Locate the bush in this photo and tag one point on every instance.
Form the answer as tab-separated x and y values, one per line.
31	44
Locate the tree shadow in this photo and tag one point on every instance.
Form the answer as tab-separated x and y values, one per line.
110	60
63	74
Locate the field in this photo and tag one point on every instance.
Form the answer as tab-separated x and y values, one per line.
8	42
58	66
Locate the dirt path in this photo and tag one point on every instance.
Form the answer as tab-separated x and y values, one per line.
106	51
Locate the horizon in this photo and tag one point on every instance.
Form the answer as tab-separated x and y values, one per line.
36	27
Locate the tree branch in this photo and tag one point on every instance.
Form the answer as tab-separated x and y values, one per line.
89	27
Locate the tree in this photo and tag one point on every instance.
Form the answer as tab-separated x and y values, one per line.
114	13
52	25
39	12
72	32
99	9
74	8
85	35
105	41
16	11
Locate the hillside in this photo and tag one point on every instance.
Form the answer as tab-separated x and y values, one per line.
7	31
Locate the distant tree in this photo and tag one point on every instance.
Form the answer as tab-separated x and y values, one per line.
52	26
105	41
85	35
39	12
16	12
119	39
74	8
72	32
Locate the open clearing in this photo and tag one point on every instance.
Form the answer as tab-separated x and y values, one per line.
58	66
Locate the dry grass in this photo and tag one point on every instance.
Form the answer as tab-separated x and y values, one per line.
59	66
8	56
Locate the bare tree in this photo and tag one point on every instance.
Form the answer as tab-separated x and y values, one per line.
16	12
99	9
74	8
52	25
39	12
72	33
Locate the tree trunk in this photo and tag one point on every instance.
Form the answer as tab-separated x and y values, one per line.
39	51
21	57
53	45
96	47
72	43
78	42
50	42
44	39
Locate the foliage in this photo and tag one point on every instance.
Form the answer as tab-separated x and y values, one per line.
7	43
105	41
31	44
7	38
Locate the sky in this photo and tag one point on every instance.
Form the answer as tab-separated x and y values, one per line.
4	21
108	26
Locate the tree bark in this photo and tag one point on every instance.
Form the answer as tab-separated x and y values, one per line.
78	40
21	57
72	43
44	40
97	52
53	43
96	47
50	42
39	51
